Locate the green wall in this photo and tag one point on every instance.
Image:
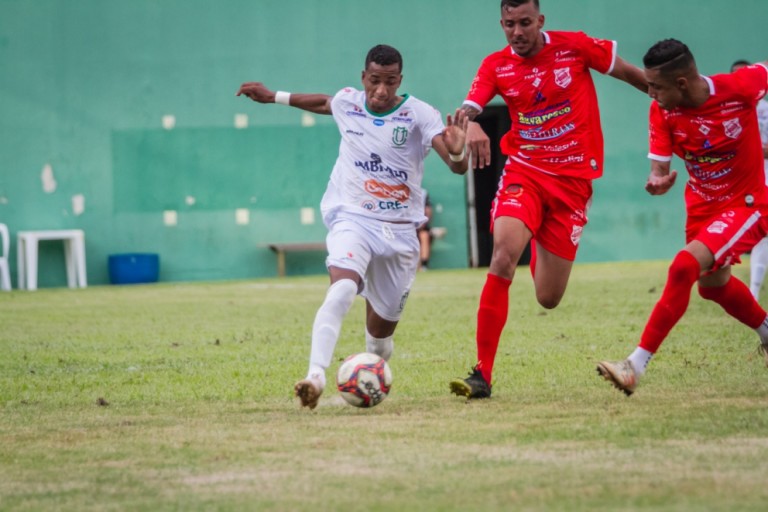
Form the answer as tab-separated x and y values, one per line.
85	84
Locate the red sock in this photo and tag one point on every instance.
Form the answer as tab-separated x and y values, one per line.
491	318
683	272
736	299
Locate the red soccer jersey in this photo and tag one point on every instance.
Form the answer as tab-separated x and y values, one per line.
552	102
719	142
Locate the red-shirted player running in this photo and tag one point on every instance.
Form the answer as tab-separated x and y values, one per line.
555	150
711	123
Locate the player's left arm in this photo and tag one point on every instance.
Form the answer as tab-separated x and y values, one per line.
450	144
629	73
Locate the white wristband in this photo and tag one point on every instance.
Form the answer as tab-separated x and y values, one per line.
283	98
459	157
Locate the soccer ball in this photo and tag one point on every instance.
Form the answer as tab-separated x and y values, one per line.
364	379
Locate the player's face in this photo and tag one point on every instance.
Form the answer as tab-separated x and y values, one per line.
668	92
380	84
522	27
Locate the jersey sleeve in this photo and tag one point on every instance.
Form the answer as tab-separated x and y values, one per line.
483	87
433	125
659	138
753	81
599	54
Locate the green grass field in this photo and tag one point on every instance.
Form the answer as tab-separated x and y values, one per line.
179	397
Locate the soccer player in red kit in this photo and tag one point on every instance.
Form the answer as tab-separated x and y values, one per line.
711	124
554	149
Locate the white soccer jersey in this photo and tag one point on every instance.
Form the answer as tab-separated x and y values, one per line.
381	159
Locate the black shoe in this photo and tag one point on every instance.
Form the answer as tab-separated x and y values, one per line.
473	386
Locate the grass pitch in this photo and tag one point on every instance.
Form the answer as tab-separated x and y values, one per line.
179	397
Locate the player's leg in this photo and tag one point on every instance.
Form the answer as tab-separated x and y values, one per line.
345	274
379	333
510	238
684	271
758	263
733	295
550	277
388	282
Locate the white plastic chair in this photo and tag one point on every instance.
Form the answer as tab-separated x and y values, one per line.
5	274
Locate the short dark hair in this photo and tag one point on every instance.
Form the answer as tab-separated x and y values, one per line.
384	55
517	3
669	56
740	63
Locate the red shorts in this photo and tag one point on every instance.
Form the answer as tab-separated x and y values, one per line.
553	207
728	234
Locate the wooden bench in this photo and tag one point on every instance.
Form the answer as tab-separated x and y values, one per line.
282	248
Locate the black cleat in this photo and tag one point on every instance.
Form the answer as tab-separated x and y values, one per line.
473	386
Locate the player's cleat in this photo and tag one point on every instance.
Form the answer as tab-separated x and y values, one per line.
473	386
620	373
309	391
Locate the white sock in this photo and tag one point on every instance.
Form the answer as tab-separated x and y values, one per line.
762	330
380	346
758	262
640	359
327	326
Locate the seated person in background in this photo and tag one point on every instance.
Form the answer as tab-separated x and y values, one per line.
425	235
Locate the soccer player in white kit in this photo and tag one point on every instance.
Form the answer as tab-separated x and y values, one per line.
373	203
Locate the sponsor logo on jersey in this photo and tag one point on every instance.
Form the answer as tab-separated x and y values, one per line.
399	136
368	205
552	133
702	175
570	159
540	98
732	128
356	112
552	148
375	165
392	205
539	117
711	158
563	77
403	117
378	122
387	191
353	132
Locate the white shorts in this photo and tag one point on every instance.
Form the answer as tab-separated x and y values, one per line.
384	254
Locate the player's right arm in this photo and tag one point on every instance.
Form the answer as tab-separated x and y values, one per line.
316	103
482	91
661	178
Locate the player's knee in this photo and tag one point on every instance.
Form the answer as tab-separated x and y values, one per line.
684	269
549	300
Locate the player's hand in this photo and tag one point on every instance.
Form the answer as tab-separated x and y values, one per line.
479	145
659	184
455	132
257	92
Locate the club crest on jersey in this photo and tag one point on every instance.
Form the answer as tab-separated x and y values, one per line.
399	135
732	128
563	77
717	227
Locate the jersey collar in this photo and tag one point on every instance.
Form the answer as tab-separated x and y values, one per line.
383	114
546	42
